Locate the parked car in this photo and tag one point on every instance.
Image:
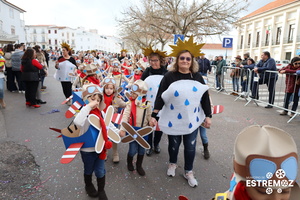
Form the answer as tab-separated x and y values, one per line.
281	63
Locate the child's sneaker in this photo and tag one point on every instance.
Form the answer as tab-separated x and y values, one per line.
171	169
191	179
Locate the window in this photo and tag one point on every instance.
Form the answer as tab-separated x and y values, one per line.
1	25
11	13
68	35
278	35
34	30
291	33
267	38
257	39
13	30
34	38
49	31
241	44
55	31
249	39
49	41
72	34
62	34
55	42
43	39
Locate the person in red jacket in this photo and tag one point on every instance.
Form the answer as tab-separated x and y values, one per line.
30	75
291	86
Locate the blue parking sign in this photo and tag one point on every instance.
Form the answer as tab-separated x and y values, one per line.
298	52
227	42
176	36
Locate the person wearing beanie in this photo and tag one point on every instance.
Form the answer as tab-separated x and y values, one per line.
138	114
92	161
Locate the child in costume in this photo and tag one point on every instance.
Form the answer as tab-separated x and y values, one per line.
138	114
92	161
264	154
93	75
111	98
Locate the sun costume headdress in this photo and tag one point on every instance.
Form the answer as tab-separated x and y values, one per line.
147	51
124	50
65	45
190	45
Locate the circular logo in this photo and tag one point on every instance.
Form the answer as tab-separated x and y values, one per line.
279	190
269	175
280	173
269	190
284	183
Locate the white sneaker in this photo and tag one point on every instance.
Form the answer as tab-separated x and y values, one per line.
171	169
191	179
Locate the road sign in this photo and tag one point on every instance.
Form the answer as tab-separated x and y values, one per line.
298	52
176	36
227	42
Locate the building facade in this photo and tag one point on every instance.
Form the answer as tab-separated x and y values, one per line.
51	36
12	27
274	28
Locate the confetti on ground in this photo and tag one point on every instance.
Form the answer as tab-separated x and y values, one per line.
50	112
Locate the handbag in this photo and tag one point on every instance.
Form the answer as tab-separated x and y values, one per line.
30	76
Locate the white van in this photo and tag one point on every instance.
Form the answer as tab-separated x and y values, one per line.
281	63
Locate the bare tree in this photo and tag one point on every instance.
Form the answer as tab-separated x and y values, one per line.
158	20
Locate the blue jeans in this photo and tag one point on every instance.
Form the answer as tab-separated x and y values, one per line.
1	88
135	148
189	142
203	135
92	163
235	84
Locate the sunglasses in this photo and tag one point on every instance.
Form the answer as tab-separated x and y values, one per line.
185	58
296	63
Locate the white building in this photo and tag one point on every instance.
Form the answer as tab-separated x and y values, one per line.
51	36
274	28
11	25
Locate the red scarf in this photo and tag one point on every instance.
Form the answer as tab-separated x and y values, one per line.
137	76
107	144
116	73
62	59
108	100
240	192
93	80
132	120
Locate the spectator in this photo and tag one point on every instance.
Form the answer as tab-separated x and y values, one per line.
246	57
204	66
266	64
43	72
250	65
10	84
178	97
219	76
2	69
292	85
235	75
16	66
30	75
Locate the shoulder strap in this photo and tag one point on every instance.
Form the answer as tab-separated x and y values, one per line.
144	114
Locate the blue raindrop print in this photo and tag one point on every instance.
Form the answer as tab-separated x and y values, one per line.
197	119
171	107
176	94
190	125
151	96
198	109
195	110
195	89
179	116
170	124
150	89
186	102
139	98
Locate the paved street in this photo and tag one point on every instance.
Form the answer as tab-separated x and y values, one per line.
30	129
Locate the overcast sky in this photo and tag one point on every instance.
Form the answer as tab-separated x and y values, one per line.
91	14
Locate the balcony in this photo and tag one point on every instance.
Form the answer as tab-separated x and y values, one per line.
7	38
287	40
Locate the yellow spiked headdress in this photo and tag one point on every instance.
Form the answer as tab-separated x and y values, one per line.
147	51
193	48
65	45
124	50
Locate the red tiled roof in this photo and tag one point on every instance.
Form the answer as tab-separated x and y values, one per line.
18	8
213	46
273	5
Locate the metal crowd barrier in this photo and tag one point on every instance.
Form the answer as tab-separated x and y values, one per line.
269	89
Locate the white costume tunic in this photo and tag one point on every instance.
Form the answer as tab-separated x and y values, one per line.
65	67
153	82
182	112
